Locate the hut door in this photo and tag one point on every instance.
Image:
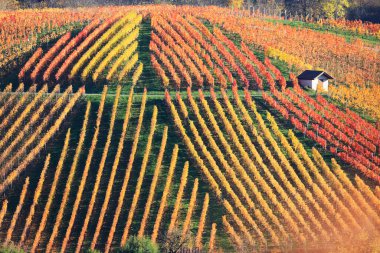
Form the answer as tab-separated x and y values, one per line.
320	85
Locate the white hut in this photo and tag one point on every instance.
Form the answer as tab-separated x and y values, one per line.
314	78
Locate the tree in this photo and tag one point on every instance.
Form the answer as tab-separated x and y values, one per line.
319	8
235	3
366	10
138	245
174	241
335	8
304	8
9	4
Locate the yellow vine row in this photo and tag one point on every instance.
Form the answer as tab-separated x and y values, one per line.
86	169
51	193
205	170
154	182
5	92
275	164
37	194
202	221
8	88
355	209
3	211
100	171
354	191
285	162
11	99
128	66
112	42
377	192
23	115
220	156
211	244
140	180
112	176
258	213
247	140
236	162
129	166
364	188
178	200
123	58
136	75
8	238
323	184
230	230
182	105
99	42
70	178
307	178
31	121
19	105
57	105
190	209
42	142
165	194
239	222
191	148
121	46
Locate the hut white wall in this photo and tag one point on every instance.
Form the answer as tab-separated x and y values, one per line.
325	85
312	84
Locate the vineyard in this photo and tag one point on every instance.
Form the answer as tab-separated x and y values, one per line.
185	126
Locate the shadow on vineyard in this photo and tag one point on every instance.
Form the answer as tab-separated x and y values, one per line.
75	123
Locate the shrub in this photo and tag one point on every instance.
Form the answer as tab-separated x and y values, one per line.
11	249
92	251
138	245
